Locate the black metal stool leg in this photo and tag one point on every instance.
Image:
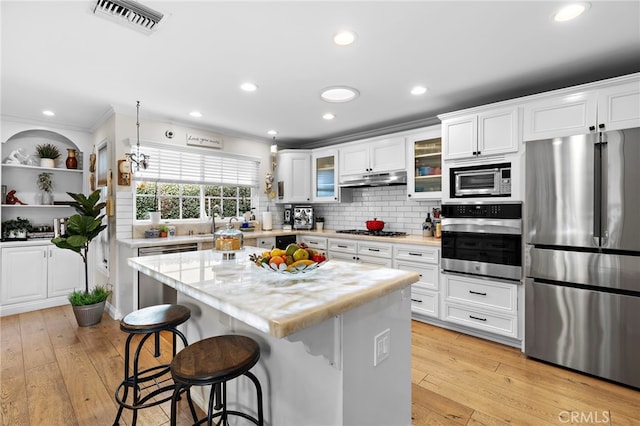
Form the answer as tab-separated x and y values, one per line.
255	381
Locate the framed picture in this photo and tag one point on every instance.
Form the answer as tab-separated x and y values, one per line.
102	164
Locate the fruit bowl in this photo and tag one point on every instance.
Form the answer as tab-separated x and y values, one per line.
292	269
296	259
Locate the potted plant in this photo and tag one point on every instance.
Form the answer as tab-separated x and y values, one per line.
16	229
164	231
82	228
46	186
48	154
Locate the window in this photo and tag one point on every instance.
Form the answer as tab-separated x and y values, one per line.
189	182
188	201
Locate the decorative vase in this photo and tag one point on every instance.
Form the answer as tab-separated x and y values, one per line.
155	217
87	315
72	161
48	162
47	198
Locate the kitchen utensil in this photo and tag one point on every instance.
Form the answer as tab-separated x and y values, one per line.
374	225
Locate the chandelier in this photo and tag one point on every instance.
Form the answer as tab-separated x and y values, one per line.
139	159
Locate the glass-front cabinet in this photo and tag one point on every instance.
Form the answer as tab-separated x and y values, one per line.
424	173
325	176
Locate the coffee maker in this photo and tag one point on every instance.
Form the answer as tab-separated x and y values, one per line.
287	220
303	217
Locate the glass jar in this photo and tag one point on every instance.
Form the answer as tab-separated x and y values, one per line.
228	241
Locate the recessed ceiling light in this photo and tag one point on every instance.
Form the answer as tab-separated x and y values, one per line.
570	12
339	94
272	132
196	114
48	113
344	38
329	116
418	90
249	87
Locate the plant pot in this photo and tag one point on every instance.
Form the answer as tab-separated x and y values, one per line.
87	315
48	162
155	217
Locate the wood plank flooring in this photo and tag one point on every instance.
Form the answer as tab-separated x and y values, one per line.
56	373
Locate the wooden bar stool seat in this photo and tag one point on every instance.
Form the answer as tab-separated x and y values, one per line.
154	381
214	361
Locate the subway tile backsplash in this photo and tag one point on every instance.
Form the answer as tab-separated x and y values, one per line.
386	203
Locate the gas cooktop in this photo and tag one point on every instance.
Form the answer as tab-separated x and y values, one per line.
372	233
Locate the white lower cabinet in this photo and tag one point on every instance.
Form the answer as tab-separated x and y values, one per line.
31	273
365	252
425	261
486	305
266	242
316	243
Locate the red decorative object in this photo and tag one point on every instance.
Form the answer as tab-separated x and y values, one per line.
72	161
12	199
374	225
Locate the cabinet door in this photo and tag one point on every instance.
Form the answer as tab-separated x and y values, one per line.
24	274
354	159
460	137
424	166
619	106
498	132
387	155
266	242
560	116
300	180
324	175
65	272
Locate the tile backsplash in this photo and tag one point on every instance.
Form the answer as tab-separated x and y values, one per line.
386	203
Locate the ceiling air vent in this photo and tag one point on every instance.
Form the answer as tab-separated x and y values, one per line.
132	12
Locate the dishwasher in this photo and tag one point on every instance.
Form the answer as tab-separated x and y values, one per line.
151	291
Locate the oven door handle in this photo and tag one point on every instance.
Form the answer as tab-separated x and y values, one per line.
483	226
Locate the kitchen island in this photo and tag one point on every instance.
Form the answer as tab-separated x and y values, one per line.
320	363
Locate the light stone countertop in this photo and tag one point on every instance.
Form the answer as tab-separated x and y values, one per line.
185	239
278	304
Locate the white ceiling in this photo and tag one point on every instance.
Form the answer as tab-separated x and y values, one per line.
58	55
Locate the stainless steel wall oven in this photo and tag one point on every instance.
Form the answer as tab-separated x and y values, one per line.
483	239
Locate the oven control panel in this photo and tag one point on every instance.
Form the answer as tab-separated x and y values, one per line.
484	210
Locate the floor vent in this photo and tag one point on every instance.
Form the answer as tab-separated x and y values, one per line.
131	12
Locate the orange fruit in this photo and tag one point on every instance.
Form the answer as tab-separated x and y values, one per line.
276	260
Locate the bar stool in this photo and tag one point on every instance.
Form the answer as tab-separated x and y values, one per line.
149	322
214	361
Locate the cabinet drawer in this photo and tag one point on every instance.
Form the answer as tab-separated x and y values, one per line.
485	294
416	254
367	248
343	246
424	302
428	273
375	261
317	243
494	323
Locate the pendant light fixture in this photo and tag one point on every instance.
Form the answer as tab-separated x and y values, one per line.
140	160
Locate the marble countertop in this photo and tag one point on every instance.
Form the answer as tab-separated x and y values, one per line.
185	239
274	303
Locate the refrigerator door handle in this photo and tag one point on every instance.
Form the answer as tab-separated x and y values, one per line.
597	193
604	195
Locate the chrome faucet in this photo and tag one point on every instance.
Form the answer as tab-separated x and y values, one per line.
215	209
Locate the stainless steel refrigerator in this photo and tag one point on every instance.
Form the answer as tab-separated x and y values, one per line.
582	291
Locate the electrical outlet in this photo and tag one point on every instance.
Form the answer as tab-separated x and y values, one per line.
381	347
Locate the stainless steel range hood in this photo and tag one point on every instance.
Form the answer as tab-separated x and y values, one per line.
376	179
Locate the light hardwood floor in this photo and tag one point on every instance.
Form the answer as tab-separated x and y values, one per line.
55	373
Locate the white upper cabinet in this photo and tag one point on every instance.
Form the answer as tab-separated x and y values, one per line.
293	176
582	111
324	176
424	165
380	156
487	133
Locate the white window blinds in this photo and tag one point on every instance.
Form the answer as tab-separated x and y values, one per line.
190	165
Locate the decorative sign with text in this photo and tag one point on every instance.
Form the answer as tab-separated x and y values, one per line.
203	142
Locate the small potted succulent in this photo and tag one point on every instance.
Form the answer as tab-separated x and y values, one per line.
48	154
164	231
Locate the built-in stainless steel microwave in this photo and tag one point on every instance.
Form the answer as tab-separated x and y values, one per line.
491	180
